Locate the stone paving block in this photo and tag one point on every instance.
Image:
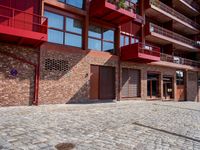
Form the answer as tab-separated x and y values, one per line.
103	126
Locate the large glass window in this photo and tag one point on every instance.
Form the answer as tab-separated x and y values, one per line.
100	39
75	3
70	35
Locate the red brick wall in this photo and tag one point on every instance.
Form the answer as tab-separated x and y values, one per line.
192	87
16	90
73	85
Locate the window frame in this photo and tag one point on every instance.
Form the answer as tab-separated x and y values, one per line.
65	2
102	37
64	31
130	37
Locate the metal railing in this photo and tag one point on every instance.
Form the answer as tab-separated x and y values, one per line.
155	51
128	5
174	13
193	4
179	60
148	49
22	20
170	34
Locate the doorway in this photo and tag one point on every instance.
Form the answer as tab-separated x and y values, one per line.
130	83
167	87
102	82
153	82
180	85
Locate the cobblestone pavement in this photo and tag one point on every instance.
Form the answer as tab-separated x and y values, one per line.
136	125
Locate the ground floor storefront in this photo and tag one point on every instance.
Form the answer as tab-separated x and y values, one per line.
56	74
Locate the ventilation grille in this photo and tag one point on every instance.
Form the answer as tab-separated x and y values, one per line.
56	65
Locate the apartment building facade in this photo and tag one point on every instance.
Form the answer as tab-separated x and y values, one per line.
74	51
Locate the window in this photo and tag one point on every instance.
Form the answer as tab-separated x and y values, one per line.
179	77
75	3
126	40
64	30
100	39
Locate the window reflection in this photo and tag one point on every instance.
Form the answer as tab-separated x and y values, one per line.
75	3
72	35
100	39
54	20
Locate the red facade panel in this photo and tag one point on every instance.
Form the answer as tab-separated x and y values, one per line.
20	24
108	11
140	52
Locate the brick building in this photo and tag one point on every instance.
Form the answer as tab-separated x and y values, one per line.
96	50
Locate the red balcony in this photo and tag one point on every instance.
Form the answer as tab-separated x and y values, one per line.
140	52
109	10
22	28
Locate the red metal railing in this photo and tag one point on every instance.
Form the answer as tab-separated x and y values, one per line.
174	13
22	20
128	5
170	34
179	60
148	49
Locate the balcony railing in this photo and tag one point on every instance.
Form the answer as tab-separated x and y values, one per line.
140	52
127	5
174	13
148	49
193	4
14	18
170	34
179	60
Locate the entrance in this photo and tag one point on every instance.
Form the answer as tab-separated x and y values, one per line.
153	85
167	87
180	85
130	83
102	82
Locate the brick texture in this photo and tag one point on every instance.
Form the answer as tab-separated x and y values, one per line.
16	77
68	79
73	85
192	87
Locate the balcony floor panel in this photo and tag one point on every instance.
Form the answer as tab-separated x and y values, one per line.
109	12
21	37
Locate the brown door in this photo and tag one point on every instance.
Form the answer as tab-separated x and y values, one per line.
107	83
125	83
94	82
180	92
130	83
180	85
102	82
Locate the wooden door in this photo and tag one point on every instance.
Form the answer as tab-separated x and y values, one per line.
180	92
125	83
102	82
107	83
94	82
